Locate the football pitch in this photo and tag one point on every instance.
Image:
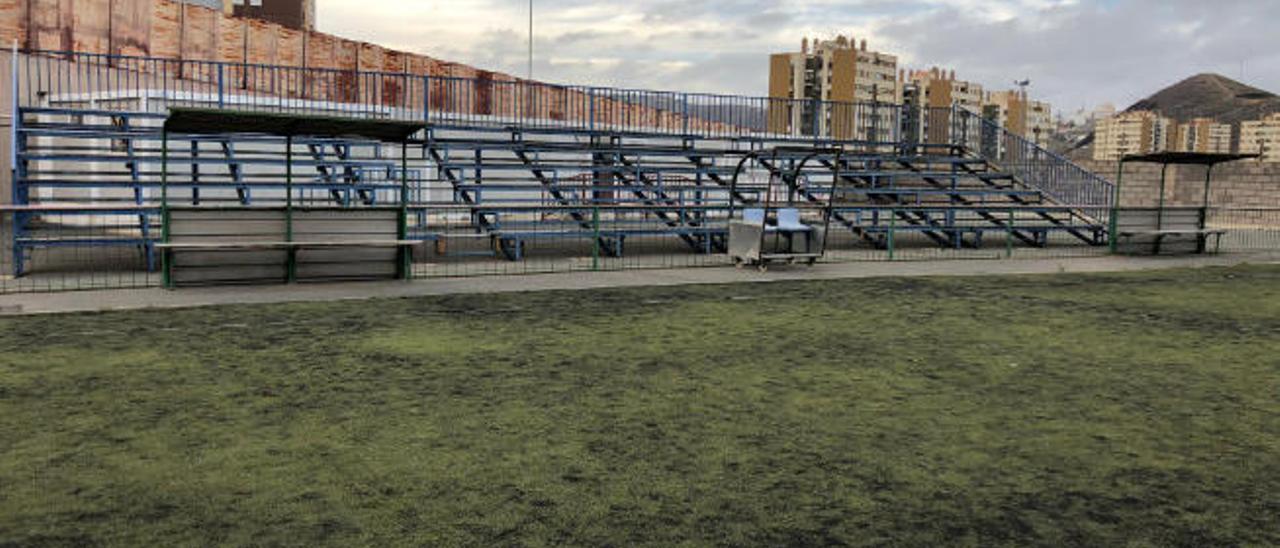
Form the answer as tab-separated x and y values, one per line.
1138	409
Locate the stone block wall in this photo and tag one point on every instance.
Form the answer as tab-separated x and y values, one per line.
1243	184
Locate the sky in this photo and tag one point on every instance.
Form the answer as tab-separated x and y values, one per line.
1077	53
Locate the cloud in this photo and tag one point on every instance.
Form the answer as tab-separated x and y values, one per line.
1076	52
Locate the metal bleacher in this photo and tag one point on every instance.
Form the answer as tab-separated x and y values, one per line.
511	179
79	167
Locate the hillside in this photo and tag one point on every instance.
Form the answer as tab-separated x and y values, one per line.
1211	96
1200	96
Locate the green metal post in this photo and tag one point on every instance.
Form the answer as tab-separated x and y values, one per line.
595	226
1164	174
893	223
406	253
1208	178
1008	238
1204	212
292	255
1114	225
166	262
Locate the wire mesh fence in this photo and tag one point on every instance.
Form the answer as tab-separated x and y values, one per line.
115	248
51	250
1246	229
514	240
518	177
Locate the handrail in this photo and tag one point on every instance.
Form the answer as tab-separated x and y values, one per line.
404	94
112	83
1039	168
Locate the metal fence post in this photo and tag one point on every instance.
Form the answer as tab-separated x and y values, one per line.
595	240
816	105
591	109
1113	239
14	123
16	172
426	99
898	139
893	224
166	263
222	89
1008	237
406	253
685	115
292	255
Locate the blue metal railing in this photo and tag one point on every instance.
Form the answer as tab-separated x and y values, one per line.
1057	177
119	82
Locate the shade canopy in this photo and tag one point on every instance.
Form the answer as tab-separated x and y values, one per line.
1186	158
201	121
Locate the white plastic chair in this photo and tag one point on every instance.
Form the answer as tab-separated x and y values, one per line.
789	221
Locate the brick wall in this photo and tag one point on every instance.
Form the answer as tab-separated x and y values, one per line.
173	30
1247	183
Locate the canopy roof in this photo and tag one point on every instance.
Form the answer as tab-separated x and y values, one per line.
1186	158
201	121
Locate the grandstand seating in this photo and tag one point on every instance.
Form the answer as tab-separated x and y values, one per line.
510	182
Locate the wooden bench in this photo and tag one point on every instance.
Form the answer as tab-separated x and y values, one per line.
213	246
1158	237
264	245
1169	230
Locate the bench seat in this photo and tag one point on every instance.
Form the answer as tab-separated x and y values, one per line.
282	245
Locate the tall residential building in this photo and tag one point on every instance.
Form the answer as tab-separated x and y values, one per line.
840	71
1138	132
1262	137
294	14
932	94
1018	114
1102	112
1203	135
940	88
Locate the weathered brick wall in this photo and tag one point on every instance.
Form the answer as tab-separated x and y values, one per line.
13	15
172	30
1245	183
176	31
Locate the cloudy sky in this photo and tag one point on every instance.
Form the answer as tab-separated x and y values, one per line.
1076	52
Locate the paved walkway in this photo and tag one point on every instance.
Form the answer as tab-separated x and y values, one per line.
87	301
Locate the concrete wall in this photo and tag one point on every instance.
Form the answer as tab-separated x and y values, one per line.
1239	184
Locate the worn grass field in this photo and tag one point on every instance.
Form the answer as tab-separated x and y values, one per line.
1137	409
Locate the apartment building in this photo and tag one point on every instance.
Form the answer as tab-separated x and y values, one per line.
839	70
1261	137
1139	132
1203	135
940	88
1018	114
931	95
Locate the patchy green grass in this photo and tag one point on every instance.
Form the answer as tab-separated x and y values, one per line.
1136	409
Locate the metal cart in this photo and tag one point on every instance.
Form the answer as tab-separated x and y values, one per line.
768	233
